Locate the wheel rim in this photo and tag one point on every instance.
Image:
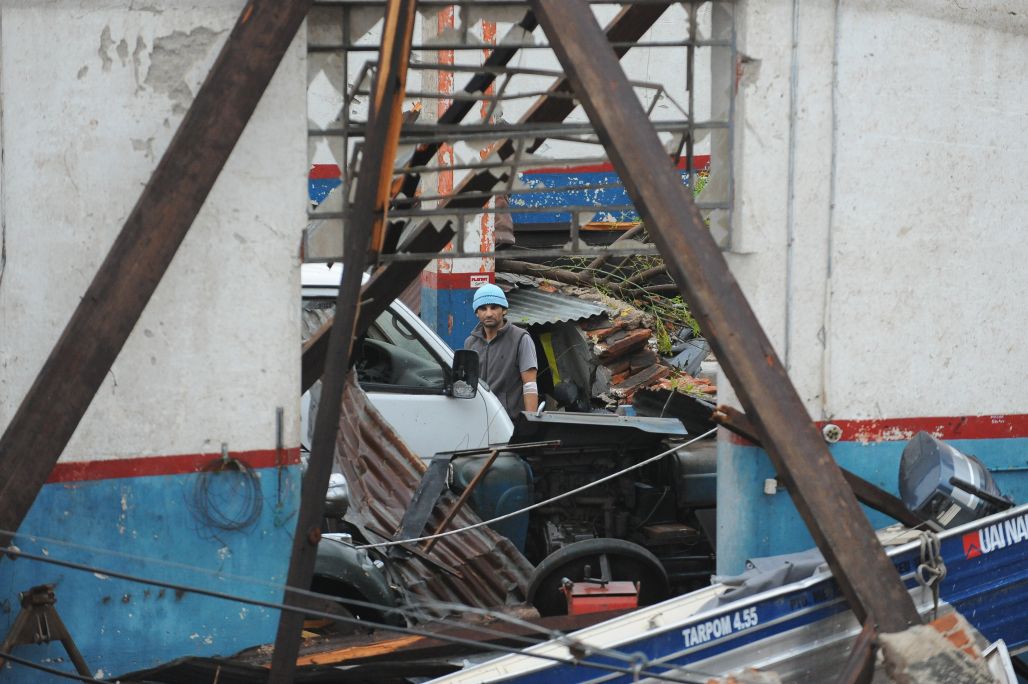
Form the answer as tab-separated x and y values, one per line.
628	562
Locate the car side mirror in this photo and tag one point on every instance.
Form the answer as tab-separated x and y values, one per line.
464	375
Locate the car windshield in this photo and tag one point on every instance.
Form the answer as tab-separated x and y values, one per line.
391	354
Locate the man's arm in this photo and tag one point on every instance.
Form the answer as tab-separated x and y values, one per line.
527	365
529	389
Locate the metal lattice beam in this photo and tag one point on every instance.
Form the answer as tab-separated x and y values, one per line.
390	280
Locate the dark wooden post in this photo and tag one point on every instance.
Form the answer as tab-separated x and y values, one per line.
362	232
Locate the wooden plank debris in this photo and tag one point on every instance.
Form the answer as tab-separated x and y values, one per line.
643	378
621	343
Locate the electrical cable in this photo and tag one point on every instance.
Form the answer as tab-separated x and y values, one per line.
400	610
635	671
210	505
540	504
663	495
364	623
220	576
410	610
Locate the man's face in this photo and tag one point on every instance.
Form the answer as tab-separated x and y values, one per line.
490	315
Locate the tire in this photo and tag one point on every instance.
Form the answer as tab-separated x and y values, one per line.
628	562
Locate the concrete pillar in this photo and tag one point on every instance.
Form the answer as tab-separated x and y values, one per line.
449	283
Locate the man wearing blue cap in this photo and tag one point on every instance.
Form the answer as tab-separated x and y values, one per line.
506	352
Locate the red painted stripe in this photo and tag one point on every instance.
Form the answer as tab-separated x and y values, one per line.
700	162
149	466
454	281
324	171
943	427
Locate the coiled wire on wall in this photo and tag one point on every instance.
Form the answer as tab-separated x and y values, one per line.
227	494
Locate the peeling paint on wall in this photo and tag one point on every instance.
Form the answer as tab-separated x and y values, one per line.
105	45
122	51
146	147
137	58
175	65
173	58
146	7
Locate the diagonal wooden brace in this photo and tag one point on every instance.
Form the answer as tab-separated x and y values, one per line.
366	227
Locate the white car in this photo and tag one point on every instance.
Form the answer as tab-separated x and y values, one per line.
404	368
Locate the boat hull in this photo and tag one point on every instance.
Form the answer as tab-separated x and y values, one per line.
802	630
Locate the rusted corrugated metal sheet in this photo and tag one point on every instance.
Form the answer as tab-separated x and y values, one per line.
477	568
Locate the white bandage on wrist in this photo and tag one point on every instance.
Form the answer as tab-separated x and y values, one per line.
530	388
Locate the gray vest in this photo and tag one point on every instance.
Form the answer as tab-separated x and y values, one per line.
498	364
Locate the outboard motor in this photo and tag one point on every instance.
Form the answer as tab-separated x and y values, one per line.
944	485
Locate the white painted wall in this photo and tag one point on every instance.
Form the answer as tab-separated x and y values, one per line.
882	201
92	93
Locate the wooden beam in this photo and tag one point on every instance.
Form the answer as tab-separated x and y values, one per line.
864	573
372	194
141	253
443	641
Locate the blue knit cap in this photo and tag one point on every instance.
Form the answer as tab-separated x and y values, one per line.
489	294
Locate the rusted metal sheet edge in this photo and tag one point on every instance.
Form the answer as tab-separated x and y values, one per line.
860	665
532	306
477	568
